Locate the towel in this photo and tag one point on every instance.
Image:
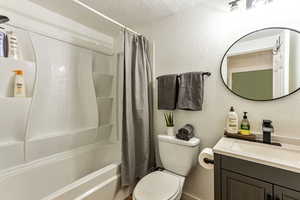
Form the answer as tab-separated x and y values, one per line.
191	90
167	92
186	132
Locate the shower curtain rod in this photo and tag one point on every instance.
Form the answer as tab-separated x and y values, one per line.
104	16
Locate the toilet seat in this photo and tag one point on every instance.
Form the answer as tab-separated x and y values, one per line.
158	185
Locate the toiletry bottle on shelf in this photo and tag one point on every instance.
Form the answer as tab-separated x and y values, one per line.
13	47
245	125
232	122
19	86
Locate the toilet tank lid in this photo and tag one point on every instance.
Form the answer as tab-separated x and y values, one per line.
173	140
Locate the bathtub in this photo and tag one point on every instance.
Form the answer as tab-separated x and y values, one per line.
87	173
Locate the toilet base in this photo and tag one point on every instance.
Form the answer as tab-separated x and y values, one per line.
181	181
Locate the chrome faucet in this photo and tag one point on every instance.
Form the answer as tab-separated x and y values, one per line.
267	129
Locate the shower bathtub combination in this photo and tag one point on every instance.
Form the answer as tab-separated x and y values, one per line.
61	141
81	174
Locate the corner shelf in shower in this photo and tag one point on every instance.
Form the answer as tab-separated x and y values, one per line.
105	98
105	131
13	117
103	84
107	125
11	59
105	107
7	66
102	75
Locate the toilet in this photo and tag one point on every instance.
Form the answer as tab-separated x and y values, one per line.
177	157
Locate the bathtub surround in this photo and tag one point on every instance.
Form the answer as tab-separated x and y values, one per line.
69	130
137	137
196	39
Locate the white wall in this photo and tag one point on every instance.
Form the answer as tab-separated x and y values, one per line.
196	39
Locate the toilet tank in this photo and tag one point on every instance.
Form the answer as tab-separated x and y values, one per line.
178	156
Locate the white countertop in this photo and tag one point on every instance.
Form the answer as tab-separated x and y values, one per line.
285	157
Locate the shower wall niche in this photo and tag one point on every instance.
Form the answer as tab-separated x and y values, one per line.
14	110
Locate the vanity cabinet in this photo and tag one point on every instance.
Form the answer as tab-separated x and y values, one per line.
285	194
237	179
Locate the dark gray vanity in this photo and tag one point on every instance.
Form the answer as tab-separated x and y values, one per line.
238	179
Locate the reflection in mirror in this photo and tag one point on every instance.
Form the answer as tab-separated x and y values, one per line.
263	65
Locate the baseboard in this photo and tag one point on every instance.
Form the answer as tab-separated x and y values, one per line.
187	196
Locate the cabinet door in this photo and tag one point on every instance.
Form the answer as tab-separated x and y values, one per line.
285	194
239	187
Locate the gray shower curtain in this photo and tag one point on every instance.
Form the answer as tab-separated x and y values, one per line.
138	156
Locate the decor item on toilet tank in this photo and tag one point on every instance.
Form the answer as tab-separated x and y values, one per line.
186	132
169	119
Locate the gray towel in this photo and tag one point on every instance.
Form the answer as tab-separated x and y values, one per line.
188	129
167	92
191	89
186	132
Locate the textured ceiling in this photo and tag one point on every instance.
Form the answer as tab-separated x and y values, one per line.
129	12
136	12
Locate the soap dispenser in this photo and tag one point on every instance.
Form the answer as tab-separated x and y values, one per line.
232	122
245	125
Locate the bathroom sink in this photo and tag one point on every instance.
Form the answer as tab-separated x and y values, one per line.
285	157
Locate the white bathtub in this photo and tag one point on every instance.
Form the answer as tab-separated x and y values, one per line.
87	173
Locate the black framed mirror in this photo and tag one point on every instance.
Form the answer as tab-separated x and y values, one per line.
263	65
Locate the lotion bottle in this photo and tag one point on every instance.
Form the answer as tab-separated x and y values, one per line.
232	122
19	86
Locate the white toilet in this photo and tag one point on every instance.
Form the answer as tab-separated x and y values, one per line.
177	157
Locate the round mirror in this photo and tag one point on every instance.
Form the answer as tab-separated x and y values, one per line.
263	65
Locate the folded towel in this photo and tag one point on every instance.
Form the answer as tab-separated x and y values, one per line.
186	132
191	89
188	129
167	92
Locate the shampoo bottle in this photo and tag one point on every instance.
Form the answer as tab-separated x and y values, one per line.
13	49
232	122
19	86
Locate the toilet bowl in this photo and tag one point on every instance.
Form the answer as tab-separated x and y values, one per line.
159	185
168	184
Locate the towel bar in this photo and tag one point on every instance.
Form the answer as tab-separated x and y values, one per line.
203	74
